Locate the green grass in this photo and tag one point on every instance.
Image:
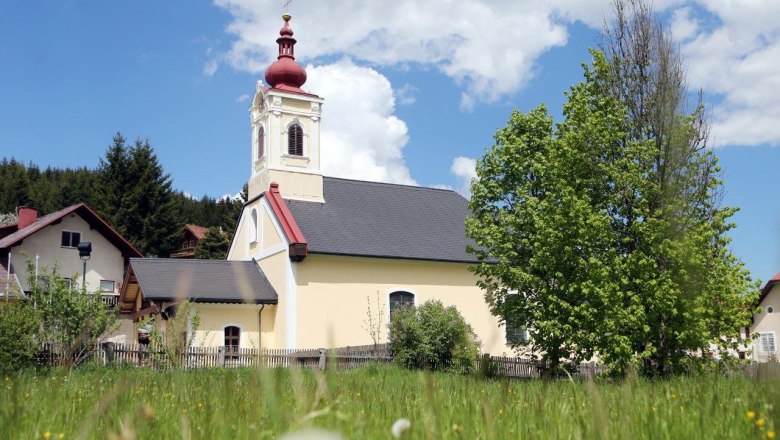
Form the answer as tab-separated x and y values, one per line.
363	404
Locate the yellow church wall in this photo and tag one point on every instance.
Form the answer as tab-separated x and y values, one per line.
271	237
333	294
215	317
275	270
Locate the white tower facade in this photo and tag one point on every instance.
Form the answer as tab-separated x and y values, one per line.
285	123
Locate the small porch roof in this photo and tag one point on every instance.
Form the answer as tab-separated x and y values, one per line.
206	281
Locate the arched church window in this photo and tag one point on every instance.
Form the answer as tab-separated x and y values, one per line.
260	142
400	299
232	341
295	140
253	227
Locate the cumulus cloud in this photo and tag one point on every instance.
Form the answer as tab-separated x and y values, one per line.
465	170
736	59
364	139
488	47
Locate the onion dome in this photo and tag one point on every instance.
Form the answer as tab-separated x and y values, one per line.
285	72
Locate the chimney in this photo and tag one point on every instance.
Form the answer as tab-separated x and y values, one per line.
27	216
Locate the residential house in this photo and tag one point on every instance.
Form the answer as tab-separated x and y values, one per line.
330	249
52	240
766	324
191	235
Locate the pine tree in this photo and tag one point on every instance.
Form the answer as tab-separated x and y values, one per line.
214	245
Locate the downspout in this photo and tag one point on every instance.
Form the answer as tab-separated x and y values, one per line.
260	327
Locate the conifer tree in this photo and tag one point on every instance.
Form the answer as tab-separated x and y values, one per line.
214	245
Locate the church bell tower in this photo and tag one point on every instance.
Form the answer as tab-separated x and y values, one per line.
285	124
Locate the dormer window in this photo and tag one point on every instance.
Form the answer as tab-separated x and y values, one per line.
295	140
260	142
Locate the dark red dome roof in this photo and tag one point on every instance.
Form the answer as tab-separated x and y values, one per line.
285	71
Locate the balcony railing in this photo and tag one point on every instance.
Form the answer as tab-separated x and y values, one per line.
110	299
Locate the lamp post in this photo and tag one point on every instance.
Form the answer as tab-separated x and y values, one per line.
85	251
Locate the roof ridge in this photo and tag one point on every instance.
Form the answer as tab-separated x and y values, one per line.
190	260
403	185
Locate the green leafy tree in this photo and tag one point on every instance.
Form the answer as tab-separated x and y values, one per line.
19	341
565	222
72	321
214	245
433	336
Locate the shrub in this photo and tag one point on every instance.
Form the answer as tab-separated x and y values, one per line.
433	336
72	320
18	335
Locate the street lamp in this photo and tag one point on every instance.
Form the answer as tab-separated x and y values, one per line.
85	251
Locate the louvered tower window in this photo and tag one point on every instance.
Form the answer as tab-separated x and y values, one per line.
295	140
260	142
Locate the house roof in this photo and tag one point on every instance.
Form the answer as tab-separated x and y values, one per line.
84	212
220	281
384	220
198	231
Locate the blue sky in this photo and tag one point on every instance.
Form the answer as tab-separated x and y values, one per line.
418	87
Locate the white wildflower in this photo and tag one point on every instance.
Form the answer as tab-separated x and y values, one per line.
400	426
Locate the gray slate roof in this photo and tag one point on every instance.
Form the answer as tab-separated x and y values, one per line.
217	281
385	220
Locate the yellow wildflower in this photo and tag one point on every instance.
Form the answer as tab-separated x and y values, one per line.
770	435
751	415
46	434
760	422
61	435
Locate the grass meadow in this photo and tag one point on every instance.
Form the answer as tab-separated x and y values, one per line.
364	404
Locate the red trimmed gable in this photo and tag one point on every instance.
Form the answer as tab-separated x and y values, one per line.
298	245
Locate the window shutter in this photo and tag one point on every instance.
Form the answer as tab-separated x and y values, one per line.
295	140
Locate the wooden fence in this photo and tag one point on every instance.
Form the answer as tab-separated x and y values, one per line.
341	359
344	358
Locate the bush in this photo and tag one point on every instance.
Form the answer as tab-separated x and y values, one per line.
433	336
72	321
18	335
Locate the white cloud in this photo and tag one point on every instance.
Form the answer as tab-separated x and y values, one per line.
364	139
737	60
491	48
243	98
405	95
488	47
465	170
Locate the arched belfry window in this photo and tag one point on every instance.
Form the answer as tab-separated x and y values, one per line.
400	299
295	140
260	142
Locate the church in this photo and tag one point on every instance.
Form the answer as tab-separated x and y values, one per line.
312	256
